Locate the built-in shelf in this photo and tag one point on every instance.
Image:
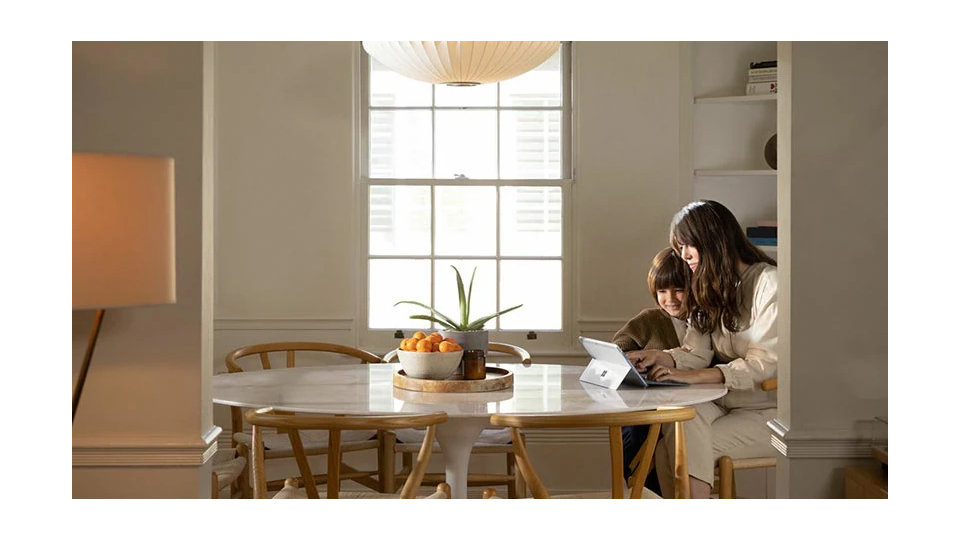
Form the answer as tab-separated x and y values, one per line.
736	99
734	172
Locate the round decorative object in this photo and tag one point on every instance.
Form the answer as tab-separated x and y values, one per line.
461	63
496	378
429	365
770	152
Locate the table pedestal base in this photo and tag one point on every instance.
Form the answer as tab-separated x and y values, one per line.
456	437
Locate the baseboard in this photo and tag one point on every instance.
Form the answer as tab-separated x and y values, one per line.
114	451
854	443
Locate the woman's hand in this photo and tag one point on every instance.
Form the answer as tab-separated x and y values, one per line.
664	373
690	376
645	359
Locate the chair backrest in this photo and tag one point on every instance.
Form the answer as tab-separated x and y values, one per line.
290	350
504	348
268	418
613	422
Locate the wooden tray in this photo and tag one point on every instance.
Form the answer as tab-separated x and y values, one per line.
497	379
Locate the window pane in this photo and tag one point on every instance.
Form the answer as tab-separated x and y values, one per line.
530	144
536	285
466	144
541	87
390	89
466	220
530	221
395	280
482	301
400	144
484	95
399	220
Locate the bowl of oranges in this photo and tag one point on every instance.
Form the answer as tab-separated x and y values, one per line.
429	357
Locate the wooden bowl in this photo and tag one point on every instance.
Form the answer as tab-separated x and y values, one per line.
432	365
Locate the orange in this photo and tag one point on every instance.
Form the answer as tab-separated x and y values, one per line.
450	339
445	346
436	338
419	335
424	345
411	345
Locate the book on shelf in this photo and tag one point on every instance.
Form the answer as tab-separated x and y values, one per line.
761	232
761	88
762	72
761	78
766	242
763	64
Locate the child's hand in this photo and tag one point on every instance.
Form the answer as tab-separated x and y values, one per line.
645	359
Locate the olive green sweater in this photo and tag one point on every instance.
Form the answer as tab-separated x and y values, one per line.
651	329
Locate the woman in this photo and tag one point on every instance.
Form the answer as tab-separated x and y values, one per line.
658	328
732	334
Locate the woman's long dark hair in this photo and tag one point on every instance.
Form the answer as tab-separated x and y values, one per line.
714	231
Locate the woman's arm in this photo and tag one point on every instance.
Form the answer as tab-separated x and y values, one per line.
691	376
759	360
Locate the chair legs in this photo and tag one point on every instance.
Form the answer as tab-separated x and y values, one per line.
246	490
726	472
387	460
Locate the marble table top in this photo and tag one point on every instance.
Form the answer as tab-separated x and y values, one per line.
368	389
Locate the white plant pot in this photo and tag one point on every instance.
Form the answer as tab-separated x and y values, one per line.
474	339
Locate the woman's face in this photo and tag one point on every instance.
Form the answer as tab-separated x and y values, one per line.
691	256
671	300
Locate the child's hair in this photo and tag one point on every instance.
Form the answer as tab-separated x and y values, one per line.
667	271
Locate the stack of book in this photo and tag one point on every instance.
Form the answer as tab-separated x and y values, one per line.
764	234
762	78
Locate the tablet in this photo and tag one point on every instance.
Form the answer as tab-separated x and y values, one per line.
609	367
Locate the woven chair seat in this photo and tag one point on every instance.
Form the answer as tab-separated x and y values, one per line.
313	440
291	491
487	437
228	471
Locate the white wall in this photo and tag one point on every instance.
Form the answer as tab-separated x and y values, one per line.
144	422
833	255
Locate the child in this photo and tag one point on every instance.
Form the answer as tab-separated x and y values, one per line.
663	327
658	328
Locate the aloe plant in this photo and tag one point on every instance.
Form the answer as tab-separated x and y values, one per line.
465	324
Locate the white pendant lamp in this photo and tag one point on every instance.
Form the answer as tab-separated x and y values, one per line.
461	63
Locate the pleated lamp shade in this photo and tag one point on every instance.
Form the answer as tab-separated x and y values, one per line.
123	231
461	63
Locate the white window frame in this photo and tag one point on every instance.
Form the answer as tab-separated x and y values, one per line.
546	340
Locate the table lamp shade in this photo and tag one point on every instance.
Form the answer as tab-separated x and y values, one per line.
123	231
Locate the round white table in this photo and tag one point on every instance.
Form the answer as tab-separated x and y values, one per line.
367	389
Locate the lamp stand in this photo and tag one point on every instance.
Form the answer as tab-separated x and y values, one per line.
91	343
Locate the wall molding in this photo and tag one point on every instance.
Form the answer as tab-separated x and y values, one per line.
820	444
146	451
288	323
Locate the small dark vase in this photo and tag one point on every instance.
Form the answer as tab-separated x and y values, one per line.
770	152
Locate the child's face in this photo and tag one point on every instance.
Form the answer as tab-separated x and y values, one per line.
671	300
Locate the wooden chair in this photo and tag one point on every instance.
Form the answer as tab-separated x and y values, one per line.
305	487
227	473
277	445
727	466
613	422
491	441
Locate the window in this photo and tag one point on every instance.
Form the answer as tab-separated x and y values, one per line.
473	177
